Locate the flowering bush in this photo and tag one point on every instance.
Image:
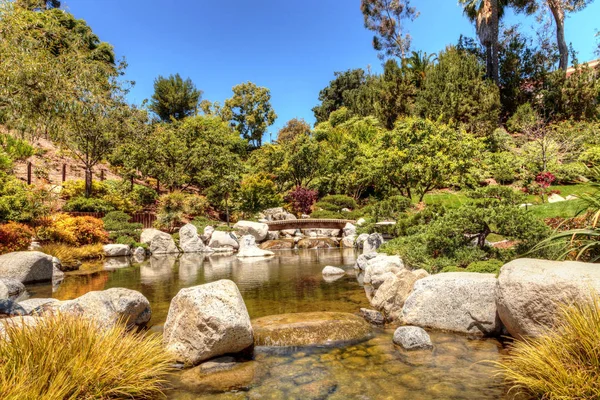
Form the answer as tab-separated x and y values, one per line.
14	237
301	199
76	231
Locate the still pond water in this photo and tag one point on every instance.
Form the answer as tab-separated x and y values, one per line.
291	281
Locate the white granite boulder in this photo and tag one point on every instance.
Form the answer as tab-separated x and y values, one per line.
412	338
248	248
189	241
223	240
27	266
158	242
256	229
207	321
390	296
117	250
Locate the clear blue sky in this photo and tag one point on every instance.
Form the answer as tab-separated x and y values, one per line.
290	46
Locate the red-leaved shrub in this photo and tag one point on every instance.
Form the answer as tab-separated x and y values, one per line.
14	237
301	199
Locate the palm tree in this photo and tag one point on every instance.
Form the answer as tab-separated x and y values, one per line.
418	63
487	14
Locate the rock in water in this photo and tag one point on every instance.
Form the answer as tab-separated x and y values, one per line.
308	329
11	288
391	295
189	241
372	243
349	230
222	240
248	248
348	242
117	250
277	245
158	242
9	308
109	306
372	316
530	292
360	240
26	266
455	301
256	229
332	271
412	338
207	321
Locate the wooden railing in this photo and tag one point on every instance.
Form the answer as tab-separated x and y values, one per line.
308	224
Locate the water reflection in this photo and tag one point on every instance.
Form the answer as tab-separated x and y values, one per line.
157	269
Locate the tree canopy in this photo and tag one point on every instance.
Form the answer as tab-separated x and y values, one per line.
174	98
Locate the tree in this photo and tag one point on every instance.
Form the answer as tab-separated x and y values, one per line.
487	14
418	63
258	192
293	129
420	155
174	98
343	91
250	111
385	18
34	5
394	92
456	92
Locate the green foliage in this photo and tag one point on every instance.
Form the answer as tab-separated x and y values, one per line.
250	111
504	167
65	356
174	98
523	119
339	201
177	208
107	196
292	129
16	149
20	202
258	192
326	214
485	267
120	229
390	208
456	92
343	91
85	204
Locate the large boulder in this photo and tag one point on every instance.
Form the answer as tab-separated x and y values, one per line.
349	230
109	306
333	271
456	301
412	338
372	243
207	321
248	248
36	306
360	240
380	268
390	296
26	266
220	240
347	242
309	329
278	214
530	292
11	288
9	308
256	229
189	241
158	242
117	250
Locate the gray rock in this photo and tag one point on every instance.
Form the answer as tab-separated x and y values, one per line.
139	255
361	222
117	250
362	260
26	266
207	321
360	240
349	230
9	308
372	316
530	292
220	240
256	229
348	242
109	306
11	288
113	263
158	242
379	268
273	235
456	301
372	243
278	214
333	271
248	248
207	233
412	338
189	241
390	296
32	305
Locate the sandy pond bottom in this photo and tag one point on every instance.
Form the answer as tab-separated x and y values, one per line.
457	368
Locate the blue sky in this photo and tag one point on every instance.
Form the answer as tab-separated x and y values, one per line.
290	46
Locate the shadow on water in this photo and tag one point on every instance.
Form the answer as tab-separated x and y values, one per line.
289	282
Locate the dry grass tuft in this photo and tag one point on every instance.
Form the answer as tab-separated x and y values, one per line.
65	357
71	256
565	363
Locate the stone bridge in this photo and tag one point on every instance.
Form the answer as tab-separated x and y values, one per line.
308	224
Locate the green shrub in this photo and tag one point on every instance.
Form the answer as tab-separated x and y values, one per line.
76	188
390	208
177	208
563	363
65	356
20	202
570	173
324	214
467	255
144	195
504	167
489	266
120	229
340	201
91	204
258	192
16	149
326	206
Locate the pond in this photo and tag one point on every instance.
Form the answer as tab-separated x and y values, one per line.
291	281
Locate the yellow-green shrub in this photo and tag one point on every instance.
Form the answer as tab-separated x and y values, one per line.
66	357
14	237
563	364
76	231
70	255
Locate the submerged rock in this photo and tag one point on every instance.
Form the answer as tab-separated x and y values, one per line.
309	329
221	375
412	338
333	271
277	245
321	243
530	292
26	266
248	248
372	316
256	229
158	242
455	301
207	321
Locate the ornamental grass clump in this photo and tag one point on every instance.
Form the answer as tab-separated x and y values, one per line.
66	357
564	363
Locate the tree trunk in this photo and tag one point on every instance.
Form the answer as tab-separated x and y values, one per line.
227	209
88	181
558	13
